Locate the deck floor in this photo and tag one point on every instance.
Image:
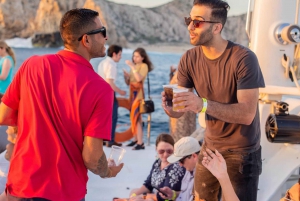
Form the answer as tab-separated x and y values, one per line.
137	165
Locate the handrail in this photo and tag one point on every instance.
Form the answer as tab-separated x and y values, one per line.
297	12
248	20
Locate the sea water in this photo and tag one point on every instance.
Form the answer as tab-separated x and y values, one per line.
158	77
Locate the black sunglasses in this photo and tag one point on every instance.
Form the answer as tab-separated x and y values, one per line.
102	30
196	23
188	156
183	159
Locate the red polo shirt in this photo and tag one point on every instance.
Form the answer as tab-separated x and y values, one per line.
60	99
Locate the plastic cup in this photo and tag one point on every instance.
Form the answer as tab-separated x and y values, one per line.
168	89
116	155
179	90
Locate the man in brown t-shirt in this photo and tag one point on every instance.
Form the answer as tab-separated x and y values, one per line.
226	77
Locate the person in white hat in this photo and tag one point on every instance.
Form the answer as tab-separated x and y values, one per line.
186	151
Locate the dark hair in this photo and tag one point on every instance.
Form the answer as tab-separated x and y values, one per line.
164	137
146	59
9	51
219	9
113	49
75	23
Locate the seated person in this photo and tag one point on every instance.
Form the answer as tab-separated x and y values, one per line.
186	152
162	174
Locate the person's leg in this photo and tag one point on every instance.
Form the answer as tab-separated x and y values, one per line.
206	185
140	144
139	133
244	171
114	120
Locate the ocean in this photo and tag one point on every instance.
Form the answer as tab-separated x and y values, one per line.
158	77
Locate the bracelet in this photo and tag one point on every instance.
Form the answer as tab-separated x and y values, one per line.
133	195
174	195
134	71
204	106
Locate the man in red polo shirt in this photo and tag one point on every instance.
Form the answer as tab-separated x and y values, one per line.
62	116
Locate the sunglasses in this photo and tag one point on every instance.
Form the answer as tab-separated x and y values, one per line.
162	151
196	23
102	30
183	159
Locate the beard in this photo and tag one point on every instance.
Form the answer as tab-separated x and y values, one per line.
98	50
204	38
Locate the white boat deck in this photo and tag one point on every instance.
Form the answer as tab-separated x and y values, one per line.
137	165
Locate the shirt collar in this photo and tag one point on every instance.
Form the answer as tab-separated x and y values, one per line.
74	56
111	60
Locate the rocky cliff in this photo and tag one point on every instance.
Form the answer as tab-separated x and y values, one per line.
125	23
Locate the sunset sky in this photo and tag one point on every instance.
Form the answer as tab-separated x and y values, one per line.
236	6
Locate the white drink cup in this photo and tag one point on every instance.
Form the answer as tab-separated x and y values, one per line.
176	91
116	156
168	89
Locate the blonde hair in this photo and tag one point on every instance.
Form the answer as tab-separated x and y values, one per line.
8	50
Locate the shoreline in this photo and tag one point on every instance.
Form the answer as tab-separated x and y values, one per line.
176	48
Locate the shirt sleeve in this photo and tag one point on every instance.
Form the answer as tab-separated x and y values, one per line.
183	76
143	70
174	176
100	122
147	182
249	75
110	71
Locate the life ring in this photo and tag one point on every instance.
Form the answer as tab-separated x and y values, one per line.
127	134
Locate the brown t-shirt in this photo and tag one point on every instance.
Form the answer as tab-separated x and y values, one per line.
218	80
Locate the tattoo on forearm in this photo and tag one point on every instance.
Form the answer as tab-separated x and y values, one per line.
102	169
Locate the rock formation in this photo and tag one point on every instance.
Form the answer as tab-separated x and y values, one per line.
125	23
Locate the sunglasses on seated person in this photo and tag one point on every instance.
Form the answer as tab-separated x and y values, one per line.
196	23
102	30
183	159
162	151
188	156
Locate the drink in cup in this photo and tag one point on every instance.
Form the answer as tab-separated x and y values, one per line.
116	155
168	89
175	91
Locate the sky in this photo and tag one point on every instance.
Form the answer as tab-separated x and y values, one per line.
237	7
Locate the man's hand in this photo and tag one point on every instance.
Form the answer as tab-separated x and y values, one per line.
166	190
122	92
169	110
189	100
115	169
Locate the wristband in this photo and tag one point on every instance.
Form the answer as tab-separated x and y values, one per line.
204	106
134	71
174	195
133	195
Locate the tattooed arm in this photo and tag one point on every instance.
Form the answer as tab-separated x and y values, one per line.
95	160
